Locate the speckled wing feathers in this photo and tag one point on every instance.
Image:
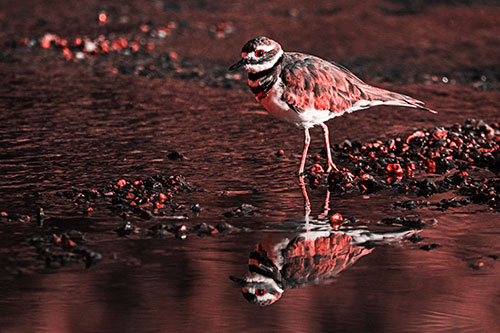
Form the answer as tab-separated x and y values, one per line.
311	82
309	261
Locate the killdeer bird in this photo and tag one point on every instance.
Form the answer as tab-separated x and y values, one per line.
282	262
306	90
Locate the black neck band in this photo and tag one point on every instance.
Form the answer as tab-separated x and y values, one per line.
258	75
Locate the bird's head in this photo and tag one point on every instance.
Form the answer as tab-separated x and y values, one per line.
258	54
258	289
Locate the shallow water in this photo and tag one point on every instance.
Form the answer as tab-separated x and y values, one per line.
75	126
55	138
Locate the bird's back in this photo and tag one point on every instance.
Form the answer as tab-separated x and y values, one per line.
313	83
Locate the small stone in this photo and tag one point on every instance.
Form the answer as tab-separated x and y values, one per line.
243	210
415	238
92	258
477	265
175	156
196	208
126	228
180	231
203	229
225	228
429	247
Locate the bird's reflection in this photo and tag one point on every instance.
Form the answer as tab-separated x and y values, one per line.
280	262
313	253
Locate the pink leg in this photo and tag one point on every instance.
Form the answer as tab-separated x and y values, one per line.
331	165
307	203
326	206
307	141
304	153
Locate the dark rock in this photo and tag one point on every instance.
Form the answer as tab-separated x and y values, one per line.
410	204
58	250
126	229
414	223
477	265
429	247
180	231
204	229
92	258
161	231
196	208
242	210
226	228
415	238
175	156
425	187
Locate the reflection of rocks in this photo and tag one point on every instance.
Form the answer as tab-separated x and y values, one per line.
281	262
242	210
64	249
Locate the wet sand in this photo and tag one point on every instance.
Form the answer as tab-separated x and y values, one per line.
165	105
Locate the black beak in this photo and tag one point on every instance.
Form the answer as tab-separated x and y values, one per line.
237	65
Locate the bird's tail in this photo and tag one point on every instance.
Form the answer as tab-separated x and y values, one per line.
386	97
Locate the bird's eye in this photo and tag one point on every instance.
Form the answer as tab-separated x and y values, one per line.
260	292
259	53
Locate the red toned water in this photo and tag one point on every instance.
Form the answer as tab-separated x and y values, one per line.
77	125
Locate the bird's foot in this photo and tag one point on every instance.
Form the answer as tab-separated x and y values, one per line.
332	167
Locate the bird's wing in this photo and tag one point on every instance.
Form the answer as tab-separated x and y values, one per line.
311	82
313	261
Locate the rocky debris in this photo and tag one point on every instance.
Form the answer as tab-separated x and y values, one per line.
196	208
411	204
143	198
399	164
80	48
484	191
136	53
181	231
413	223
20	218
242	210
162	231
204	229
477	265
126	229
112	52
64	249
453	203
481	191
415	238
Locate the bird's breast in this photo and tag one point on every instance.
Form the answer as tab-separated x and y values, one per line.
276	106
307	118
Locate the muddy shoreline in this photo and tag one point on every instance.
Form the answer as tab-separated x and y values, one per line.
106	105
